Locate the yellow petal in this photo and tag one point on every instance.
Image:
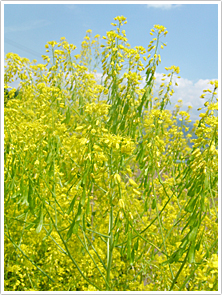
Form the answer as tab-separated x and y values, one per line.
132	182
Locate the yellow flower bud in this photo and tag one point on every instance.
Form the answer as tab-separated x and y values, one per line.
93	131
131	215
79	128
121	215
117	178
121	204
132	182
136	192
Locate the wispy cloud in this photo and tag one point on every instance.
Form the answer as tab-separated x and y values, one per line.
28	26
163	6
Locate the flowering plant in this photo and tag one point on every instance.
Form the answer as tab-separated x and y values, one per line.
102	189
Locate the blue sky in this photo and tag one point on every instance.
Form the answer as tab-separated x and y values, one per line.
192	41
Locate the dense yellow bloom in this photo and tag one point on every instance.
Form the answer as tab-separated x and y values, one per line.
100	175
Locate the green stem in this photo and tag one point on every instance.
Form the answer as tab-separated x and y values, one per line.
179	271
109	246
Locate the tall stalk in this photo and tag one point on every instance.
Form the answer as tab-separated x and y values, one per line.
109	245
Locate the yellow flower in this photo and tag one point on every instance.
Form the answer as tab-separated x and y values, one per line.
202	96
117	178
131	215
136	192
121	216
121	204
79	128
93	131
132	182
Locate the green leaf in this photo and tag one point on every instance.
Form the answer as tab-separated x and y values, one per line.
60	182
31	197
184	242
83	197
39	227
29	226
145	206
48	159
84	177
192	219
83	222
70	231
179	254
88	207
126	227
88	224
191	204
199	241
116	238
174	257
168	261
132	257
78	184
136	245
68	116
198	245
129	245
76	227
154	204
71	205
119	223
122	125
126	108
191	254
140	153
20	217
193	233
191	191
23	199
75	224
202	203
78	215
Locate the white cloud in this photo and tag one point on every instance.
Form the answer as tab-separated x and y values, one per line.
163	6
27	26
187	91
